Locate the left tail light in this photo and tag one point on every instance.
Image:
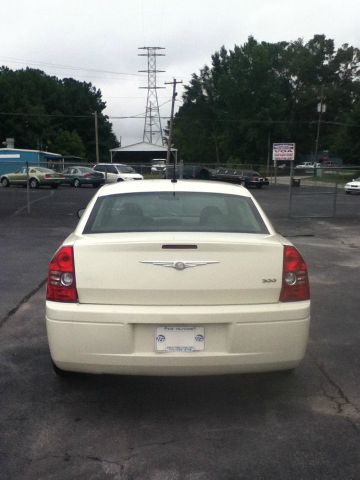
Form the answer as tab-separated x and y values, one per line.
295	281
61	284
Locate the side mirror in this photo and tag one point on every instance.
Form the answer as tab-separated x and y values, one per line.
80	212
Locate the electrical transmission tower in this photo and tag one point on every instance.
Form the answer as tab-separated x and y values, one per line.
152	127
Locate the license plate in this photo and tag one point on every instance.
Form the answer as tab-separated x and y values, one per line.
180	339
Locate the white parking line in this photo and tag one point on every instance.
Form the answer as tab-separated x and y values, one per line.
34	201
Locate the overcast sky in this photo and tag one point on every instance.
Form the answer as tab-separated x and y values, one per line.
97	40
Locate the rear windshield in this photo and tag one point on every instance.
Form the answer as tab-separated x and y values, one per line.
174	212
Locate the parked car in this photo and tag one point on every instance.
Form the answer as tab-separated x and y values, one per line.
78	175
176	278
158	165
227	175
38	177
353	186
117	172
248	178
198	172
251	178
308	165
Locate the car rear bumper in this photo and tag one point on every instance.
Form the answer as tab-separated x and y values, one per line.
121	339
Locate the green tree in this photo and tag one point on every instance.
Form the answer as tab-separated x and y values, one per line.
41	108
261	89
68	143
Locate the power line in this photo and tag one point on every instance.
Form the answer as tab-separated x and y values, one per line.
142	116
62	115
69	67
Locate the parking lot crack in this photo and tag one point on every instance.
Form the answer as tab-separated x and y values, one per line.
343	404
22	301
67	458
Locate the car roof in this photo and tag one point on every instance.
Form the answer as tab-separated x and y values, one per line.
169	186
122	164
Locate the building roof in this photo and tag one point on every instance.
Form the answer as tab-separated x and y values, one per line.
8	150
142	147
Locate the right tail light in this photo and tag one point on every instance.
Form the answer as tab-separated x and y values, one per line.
295	281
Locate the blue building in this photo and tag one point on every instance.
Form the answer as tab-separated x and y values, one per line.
12	159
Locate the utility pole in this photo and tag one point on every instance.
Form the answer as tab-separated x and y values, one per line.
173	83
96	137
152	127
321	108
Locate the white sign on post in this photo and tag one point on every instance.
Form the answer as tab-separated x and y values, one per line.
283	152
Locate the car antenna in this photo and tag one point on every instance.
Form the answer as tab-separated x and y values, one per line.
174	179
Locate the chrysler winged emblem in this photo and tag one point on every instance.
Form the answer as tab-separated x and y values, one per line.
179	264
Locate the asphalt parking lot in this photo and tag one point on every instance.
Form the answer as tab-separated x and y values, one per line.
269	426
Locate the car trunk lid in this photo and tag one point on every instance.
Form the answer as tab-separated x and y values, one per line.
168	269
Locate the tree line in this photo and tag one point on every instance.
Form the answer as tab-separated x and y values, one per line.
44	112
261	92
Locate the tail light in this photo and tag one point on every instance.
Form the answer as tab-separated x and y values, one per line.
61	285
87	175
48	175
295	282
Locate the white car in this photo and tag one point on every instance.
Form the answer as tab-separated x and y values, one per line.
158	165
353	186
176	278
117	172
307	165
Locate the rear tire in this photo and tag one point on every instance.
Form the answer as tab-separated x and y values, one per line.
347	192
5	182
54	186
33	183
59	372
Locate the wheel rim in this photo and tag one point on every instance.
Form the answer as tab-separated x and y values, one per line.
33	183
76	183
5	182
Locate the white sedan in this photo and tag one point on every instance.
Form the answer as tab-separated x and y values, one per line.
353	186
176	278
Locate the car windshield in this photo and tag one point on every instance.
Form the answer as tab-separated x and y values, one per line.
179	212
125	169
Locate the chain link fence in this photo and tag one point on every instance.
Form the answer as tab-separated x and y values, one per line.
312	192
